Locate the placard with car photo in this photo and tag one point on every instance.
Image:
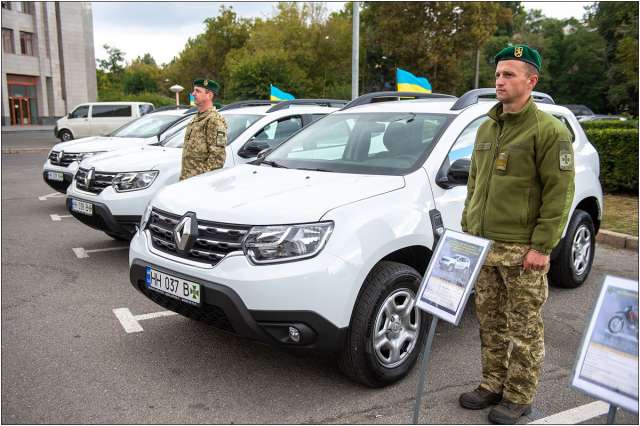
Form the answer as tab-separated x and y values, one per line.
452	271
607	365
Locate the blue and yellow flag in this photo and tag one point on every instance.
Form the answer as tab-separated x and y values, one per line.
279	95
408	82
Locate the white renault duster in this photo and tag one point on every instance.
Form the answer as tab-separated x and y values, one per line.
111	191
321	245
64	158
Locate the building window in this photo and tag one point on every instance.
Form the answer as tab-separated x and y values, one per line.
6	5
26	43
26	7
7	41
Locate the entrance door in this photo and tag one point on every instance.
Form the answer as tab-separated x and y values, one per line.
20	110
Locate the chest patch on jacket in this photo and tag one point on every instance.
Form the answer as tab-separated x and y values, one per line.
566	160
502	161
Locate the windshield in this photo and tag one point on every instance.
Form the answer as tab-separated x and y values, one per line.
146	126
236	124
379	143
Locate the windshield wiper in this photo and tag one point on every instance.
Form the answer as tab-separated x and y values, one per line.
273	164
311	169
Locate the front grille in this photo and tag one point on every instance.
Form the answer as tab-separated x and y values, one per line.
98	182
67	158
214	240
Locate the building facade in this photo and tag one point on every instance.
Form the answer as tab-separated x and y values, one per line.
48	60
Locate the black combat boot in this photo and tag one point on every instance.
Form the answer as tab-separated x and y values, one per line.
508	413
479	398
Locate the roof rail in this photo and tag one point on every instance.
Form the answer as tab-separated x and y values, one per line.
471	97
319	102
370	98
243	104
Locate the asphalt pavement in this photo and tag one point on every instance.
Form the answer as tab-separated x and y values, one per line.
67	358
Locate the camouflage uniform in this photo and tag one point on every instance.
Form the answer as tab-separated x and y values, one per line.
509	309
204	144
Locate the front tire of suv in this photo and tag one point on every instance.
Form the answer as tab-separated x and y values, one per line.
65	135
385	337
571	268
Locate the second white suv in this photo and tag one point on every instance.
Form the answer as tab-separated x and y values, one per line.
322	244
111	191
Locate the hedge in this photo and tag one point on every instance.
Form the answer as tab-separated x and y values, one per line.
156	99
618	151
609	124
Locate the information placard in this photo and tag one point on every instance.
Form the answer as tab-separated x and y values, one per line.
452	271
607	363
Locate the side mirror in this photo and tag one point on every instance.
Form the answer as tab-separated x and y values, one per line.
264	153
253	148
456	175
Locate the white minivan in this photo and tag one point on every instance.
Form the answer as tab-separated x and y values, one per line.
98	118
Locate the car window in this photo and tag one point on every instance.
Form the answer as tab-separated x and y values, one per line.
236	124
105	111
566	123
80	112
368	143
279	130
463	146
146	126
315	117
145	109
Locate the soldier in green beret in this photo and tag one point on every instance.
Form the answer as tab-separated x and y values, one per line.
206	136
519	194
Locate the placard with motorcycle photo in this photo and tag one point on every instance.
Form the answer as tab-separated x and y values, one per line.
607	364
452	271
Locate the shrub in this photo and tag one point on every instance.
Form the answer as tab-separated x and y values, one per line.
618	151
609	124
156	99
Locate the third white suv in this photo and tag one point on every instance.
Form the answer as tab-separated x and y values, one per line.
321	244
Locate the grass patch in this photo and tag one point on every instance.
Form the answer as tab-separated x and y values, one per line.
621	214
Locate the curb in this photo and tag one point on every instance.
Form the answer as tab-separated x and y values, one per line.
617	240
25	150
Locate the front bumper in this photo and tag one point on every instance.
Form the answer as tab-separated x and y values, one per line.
259	302
102	219
60	186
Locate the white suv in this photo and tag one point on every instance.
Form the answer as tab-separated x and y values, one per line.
321	245
111	191
63	159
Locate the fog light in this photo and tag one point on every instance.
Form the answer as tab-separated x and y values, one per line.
294	334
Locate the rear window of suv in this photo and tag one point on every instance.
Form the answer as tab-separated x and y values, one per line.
366	143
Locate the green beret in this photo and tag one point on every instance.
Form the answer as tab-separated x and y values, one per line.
207	84
520	52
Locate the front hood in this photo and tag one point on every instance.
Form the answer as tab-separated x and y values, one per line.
101	143
134	159
260	195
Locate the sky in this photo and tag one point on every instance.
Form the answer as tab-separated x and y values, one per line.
163	28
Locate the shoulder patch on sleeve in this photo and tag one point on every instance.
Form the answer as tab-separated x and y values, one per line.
221	138
566	160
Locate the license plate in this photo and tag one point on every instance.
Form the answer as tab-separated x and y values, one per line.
81	207
58	176
175	287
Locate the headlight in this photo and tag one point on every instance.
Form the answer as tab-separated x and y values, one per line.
145	217
284	243
84	155
133	181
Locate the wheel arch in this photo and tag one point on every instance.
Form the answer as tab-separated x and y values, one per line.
592	207
60	130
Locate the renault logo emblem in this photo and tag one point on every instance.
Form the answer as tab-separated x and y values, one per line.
185	232
89	177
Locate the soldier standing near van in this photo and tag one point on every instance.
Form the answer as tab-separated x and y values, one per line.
206	136
520	190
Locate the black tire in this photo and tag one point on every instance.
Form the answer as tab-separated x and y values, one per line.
358	359
119	237
65	135
616	324
563	272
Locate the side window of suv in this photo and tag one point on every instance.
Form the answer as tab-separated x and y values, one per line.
103	111
279	130
80	112
145	109
564	121
463	146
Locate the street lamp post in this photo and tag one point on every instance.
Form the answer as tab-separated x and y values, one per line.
176	88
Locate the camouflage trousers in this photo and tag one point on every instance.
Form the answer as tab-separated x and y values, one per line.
509	309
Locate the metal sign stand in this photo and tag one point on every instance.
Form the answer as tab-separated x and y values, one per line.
423	368
611	417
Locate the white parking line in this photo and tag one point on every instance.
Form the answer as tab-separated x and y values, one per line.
52	195
83	254
59	217
131	323
575	415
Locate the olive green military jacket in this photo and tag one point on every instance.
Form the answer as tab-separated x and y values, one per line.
521	181
204	142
